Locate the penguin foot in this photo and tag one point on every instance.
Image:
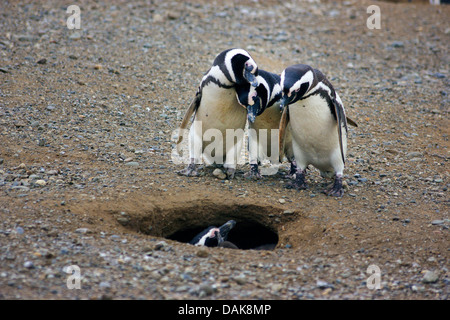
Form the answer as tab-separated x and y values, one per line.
337	190
299	181
254	173
189	171
292	171
230	173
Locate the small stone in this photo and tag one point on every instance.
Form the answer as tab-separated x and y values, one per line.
437	222
83	230
202	253
132	164
430	277
40	182
240	280
206	290
42	61
160	245
323	284
75	36
219	174
123	220
282	201
28	264
414	155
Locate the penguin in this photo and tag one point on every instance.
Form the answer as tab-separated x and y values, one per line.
215	237
318	125
218	105
264	116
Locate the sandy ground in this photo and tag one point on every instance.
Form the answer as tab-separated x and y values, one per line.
87	178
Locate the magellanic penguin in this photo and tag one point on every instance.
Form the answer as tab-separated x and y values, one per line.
263	121
318	124
214	237
217	108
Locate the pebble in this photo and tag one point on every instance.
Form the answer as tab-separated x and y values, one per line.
430	277
132	164
202	253
83	230
219	174
28	264
75	36
40	182
281	200
437	222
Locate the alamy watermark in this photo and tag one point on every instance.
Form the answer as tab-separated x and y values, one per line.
208	146
74	20
74	280
374	21
374	281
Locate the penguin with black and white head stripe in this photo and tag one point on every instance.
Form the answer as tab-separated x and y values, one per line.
215	237
264	116
216	108
314	114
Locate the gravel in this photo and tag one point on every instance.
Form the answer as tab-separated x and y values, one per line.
87	181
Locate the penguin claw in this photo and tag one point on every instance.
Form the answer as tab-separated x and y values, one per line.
254	173
189	171
299	182
334	192
337	190
230	173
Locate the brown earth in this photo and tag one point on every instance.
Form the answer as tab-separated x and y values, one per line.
87	178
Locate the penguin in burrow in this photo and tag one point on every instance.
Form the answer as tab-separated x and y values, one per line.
217	108
215	237
314	114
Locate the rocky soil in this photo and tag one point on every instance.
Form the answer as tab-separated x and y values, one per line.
87	178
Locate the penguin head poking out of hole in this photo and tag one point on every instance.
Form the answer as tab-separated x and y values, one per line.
213	236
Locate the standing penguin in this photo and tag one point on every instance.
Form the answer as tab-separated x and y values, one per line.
318	125
264	119
217	107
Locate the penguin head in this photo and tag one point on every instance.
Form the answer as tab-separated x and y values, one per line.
295	82
213	236
241	66
251	72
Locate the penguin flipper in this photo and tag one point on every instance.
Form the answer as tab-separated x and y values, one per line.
352	122
282	131
341	120
189	112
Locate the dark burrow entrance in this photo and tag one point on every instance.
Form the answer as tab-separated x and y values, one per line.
246	234
256	226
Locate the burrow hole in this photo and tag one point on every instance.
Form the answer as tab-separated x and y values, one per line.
246	234
255	226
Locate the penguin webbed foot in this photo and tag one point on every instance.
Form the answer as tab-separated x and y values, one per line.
337	189
299	181
230	172
254	173
292	171
189	171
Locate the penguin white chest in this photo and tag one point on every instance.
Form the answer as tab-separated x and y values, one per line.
220	109
314	133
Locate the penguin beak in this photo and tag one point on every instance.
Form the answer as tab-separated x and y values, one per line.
252	111
225	229
250	77
284	102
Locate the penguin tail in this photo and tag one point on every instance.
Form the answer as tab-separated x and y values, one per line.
192	109
352	122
